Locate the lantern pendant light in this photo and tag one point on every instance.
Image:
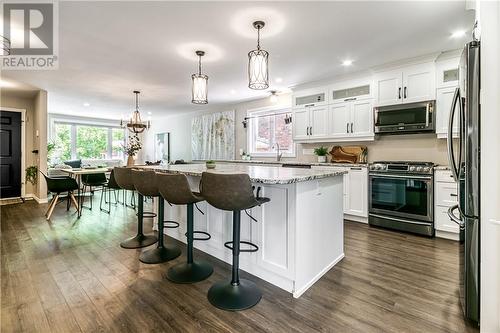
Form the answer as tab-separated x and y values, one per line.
258	72
200	84
135	124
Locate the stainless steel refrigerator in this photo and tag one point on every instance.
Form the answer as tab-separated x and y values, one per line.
464	162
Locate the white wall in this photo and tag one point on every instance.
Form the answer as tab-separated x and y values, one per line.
489	15
179	127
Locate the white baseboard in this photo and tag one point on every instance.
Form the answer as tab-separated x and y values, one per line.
355	218
298	293
447	235
37	199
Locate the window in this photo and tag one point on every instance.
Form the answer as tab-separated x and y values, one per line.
267	129
74	140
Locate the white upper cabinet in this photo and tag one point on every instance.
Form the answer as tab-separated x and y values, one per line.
300	124
318	122
351	120
408	84
444	98
388	87
339	120
419	83
310	123
362	118
447	72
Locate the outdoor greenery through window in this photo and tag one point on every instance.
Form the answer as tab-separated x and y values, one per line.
268	129
82	141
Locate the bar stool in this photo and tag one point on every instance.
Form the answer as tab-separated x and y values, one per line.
124	179
145	183
175	189
232	192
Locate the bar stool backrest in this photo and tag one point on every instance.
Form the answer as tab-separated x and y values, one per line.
228	191
112	180
123	176
145	182
175	189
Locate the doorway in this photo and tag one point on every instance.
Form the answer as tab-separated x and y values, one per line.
11	159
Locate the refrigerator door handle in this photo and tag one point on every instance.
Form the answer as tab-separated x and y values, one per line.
451	155
455	219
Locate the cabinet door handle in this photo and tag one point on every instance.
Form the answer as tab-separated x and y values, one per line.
399	93
355	168
311	130
404	93
347	127
350	99
308	105
307	130
351	128
453	195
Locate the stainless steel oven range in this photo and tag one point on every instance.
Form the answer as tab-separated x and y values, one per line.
401	196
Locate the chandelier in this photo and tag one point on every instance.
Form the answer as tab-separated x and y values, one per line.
135	124
258	73
200	84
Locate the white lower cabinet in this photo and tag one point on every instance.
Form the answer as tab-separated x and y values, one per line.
445	196
356	192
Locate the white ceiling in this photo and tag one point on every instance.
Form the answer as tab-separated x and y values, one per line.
108	49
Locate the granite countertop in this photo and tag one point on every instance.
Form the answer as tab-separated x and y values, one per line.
289	162
264	174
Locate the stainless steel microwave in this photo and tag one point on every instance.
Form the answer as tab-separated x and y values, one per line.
405	118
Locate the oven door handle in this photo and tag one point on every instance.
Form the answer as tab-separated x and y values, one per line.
401	176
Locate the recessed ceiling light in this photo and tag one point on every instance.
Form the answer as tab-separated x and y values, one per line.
149	113
232	91
86	104
347	62
278	80
458	34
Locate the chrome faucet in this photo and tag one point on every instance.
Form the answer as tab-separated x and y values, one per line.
279	155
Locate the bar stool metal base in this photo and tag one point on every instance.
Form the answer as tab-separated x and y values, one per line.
160	254
190	273
226	296
139	241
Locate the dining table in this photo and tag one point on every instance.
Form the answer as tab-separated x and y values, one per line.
77	173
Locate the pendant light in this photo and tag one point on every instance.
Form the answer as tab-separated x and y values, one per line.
258	73
200	84
135	124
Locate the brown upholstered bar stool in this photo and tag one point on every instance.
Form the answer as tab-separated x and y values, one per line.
233	192
124	179
146	185
175	189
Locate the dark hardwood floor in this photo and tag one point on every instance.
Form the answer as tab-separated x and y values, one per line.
70	275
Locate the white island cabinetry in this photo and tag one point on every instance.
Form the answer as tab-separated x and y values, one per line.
299	232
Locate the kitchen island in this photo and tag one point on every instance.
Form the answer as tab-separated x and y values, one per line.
300	232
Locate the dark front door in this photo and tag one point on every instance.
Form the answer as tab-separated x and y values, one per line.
10	154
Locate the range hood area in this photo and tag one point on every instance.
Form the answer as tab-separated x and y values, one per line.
405	118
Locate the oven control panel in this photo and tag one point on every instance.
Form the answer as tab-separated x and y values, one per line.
402	167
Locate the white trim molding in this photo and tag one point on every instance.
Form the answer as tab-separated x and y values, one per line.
23	146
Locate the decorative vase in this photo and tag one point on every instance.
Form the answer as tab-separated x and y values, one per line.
321	159
130	161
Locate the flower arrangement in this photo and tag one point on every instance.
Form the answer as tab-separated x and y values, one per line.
133	145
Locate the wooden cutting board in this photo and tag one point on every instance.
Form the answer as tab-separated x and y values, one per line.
349	154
